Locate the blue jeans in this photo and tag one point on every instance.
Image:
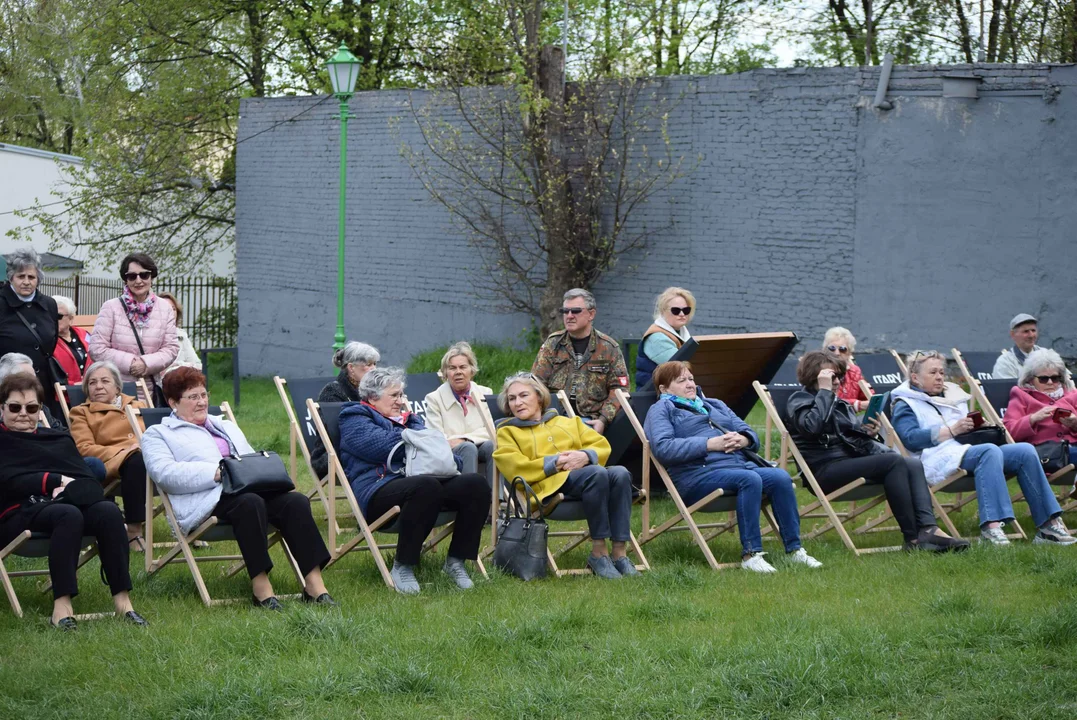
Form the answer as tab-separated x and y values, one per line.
1073	454
606	493
750	484
96	468
990	464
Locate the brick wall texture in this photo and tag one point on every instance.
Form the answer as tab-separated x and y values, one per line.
926	225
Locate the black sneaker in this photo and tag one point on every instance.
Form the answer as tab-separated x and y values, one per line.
135	619
66	624
323	599
270	603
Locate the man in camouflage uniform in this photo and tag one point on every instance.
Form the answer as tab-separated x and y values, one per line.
583	362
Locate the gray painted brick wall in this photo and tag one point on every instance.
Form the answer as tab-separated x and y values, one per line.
927	225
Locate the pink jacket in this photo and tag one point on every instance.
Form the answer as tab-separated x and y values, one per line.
113	339
1023	403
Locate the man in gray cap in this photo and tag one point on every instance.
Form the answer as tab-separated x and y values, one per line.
1024	330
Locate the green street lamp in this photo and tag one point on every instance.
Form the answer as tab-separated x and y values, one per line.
343	73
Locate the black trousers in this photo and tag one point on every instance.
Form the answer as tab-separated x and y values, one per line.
903	483
133	488
421	498
66	525
250	515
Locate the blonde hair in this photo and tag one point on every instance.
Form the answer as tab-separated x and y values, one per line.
523	378
916	359
175	303
836	332
456	349
665	298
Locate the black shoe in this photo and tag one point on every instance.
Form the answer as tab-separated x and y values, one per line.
66	624
940	543
135	619
323	599
270	603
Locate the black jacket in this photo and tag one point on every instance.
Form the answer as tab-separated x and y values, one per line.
16	337
31	464
340	390
826	428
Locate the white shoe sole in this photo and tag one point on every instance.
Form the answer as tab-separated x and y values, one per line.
1040	540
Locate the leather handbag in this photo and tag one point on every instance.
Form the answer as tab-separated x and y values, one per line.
987	435
1054	455
56	370
261	472
521	538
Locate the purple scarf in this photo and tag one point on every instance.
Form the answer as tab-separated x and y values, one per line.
137	312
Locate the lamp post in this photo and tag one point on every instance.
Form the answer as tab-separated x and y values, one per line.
343	71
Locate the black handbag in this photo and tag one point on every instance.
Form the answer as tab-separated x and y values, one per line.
987	435
261	472
157	394
82	493
521	539
56	370
1054	455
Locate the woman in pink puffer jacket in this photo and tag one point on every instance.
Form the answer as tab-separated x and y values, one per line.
136	310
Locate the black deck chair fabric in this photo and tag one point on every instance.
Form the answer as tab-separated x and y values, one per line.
299	391
997	392
981	365
75	396
880	370
418	386
786	377
154	416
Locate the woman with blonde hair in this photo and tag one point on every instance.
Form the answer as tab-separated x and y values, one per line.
841	342
673	309
455	408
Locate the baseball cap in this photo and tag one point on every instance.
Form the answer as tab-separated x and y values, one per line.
1021	319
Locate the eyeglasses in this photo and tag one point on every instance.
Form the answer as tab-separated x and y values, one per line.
144	275
681	311
1049	378
838	348
16	408
571	311
195	398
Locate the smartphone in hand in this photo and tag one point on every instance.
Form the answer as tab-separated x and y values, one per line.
1060	413
977	418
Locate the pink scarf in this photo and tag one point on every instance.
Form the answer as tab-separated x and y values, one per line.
137	312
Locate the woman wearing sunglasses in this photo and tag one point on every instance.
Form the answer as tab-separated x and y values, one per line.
1043	404
673	309
840	342
137	331
46	488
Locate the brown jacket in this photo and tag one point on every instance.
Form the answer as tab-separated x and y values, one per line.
101	430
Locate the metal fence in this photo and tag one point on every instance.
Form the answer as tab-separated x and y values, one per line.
209	303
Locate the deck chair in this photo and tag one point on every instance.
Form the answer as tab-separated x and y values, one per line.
294	395
774	402
980	365
786	375
720	501
992	397
882	371
326	418
36	545
417	388
555	508
210	530
72	395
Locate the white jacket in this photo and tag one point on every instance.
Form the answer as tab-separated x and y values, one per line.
1008	366
443	413
182	459
932	412
187	356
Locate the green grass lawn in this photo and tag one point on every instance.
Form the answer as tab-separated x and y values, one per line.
988	634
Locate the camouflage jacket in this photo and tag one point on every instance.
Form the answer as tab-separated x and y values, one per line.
592	384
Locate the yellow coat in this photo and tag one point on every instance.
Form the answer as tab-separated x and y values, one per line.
522	451
101	430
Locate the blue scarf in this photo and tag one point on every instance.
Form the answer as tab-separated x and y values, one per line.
696	405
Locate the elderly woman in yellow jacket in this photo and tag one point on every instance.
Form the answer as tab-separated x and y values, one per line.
552	454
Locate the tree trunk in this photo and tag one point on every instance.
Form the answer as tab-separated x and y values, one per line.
992	31
963	30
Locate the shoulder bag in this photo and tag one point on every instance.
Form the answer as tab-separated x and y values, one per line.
1054	455
521	538
254	472
158	395
986	435
56	370
426	452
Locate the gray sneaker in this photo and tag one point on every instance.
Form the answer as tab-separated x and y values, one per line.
1053	533
603	567
625	566
454	568
994	536
404	579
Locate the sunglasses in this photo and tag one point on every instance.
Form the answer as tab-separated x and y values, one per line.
144	275
571	311
1049	378
838	348
16	408
681	311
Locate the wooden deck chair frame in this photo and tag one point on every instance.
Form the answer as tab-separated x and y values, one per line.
684	519
61	395
295	438
364	541
575	537
900	363
181	551
28	544
856	490
1063	477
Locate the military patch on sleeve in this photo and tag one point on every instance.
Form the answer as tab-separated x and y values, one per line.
623	379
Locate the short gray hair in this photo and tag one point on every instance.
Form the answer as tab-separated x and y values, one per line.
378	380
1041	359
523	378
12	360
24	258
588	298
839	331
101	365
460	348
66	304
915	360
356	352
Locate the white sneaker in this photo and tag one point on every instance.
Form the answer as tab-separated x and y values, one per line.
801	556
756	563
994	536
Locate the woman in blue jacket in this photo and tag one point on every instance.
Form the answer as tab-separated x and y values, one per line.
701	443
369	430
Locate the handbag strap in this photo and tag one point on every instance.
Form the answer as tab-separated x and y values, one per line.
529	494
40	342
138	339
389	459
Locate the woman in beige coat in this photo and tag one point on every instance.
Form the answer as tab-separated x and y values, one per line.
456	408
100	429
